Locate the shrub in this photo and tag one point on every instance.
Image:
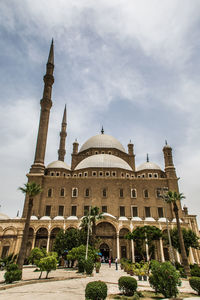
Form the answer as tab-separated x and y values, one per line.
81	265
47	264
164	279
195	271
36	254
96	290
127	285
195	284
89	266
180	268
13	273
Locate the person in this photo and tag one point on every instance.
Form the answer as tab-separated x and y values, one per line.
109	262
116	265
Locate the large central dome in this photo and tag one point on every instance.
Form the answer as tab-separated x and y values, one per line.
102	141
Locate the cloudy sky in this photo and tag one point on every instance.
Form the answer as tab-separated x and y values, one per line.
131	66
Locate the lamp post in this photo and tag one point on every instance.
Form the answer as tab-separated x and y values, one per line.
88	233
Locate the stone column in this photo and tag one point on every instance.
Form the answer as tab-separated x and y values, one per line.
133	251
18	242
178	256
191	256
161	250
33	242
147	251
48	241
118	252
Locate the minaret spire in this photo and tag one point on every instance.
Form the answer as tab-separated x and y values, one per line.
102	130
63	134
46	103
147	157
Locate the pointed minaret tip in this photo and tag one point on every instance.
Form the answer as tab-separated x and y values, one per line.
102	130
51	54
165	142
64	120
147	157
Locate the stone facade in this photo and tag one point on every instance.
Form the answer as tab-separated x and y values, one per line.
103	174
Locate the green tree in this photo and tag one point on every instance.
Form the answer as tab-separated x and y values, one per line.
145	235
79	253
174	198
190	239
47	264
30	189
36	254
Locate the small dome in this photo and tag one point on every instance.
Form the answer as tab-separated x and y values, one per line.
103	161
174	220
72	218
136	219
102	141
108	215
162	220
123	219
59	218
47	218
4	217
58	164
150	219
148	166
34	218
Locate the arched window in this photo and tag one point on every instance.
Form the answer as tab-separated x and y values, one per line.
133	193
49	193
74	192
146	194
121	193
87	193
62	192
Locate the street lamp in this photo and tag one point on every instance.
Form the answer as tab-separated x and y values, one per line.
88	233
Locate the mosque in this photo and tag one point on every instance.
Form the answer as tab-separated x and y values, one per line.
102	173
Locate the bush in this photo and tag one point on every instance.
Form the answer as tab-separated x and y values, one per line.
36	254
89	266
127	285
47	264
164	279
96	290
180	268
195	284
195	271
13	273
81	265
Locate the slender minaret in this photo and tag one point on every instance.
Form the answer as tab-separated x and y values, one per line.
169	165
63	134
46	103
131	155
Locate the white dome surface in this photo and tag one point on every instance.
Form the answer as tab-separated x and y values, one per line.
148	166
174	220
58	164
59	218
136	219
102	141
34	218
162	220
108	215
150	219
123	219
4	217
45	218
103	161
72	218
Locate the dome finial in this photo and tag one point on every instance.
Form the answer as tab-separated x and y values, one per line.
102	130
165	142
147	157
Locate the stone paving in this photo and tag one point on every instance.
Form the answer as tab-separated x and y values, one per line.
65	288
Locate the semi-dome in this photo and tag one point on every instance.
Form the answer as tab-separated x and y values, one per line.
46	218
102	141
148	166
4	217
58	164
103	161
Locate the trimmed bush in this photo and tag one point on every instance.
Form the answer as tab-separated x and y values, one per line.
164	279
81	265
47	264
96	290
195	284
89	266
127	285
13	273
195	271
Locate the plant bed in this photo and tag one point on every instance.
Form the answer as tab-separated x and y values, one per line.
147	295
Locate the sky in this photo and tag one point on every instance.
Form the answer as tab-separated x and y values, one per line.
131	66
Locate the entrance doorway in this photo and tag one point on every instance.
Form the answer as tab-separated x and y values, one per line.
105	251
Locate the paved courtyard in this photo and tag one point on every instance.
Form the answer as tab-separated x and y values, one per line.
65	288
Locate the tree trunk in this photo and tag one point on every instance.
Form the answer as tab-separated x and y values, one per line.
22	252
181	241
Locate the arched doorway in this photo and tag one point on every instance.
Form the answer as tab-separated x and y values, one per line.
106	232
41	238
125	246
105	251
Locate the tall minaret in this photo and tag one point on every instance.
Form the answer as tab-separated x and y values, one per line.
46	103
169	165
63	134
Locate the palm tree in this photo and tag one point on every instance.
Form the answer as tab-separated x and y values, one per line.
30	189
174	197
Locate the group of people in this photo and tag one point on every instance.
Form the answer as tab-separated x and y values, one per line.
110	260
